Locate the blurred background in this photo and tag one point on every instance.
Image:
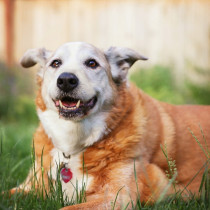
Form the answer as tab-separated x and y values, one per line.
173	34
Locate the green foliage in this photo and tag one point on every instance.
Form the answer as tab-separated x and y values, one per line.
16	146
19	108
199	94
16	95
159	83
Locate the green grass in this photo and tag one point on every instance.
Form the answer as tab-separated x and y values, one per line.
159	83
18	122
55	199
16	147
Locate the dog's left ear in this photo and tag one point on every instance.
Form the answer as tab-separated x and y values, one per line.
120	60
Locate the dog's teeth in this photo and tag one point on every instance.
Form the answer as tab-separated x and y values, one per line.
71	108
78	103
61	105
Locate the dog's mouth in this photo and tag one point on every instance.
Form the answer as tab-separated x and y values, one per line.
69	107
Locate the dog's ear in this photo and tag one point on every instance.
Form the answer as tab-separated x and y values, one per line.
33	56
120	60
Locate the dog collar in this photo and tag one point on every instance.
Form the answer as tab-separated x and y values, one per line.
65	172
67	157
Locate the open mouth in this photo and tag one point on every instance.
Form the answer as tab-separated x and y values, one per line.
71	107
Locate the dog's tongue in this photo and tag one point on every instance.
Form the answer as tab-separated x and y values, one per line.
69	103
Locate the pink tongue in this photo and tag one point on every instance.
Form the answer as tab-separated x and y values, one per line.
69	104
66	174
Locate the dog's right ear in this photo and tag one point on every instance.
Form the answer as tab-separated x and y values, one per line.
33	56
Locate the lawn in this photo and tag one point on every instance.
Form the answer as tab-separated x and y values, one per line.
18	122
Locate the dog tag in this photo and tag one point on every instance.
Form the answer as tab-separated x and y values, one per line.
66	174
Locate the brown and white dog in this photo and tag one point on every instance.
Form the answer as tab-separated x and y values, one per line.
92	117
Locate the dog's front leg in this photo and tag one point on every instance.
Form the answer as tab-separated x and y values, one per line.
152	182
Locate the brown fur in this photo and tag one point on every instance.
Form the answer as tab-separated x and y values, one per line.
39	100
139	125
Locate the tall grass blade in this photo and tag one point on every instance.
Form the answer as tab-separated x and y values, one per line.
206	145
138	203
19	164
162	195
206	154
43	187
204	189
116	198
1	145
171	166
126	206
204	166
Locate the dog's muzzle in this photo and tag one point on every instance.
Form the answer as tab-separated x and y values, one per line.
67	104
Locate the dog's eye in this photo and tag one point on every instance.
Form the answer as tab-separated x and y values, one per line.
91	63
56	63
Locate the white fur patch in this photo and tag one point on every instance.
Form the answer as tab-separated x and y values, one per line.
69	136
80	180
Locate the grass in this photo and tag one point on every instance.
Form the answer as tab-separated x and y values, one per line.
159	83
55	199
18	122
15	150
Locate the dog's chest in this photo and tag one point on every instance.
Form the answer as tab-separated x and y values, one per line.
64	134
79	181
71	137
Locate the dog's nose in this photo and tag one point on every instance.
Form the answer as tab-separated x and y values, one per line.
67	82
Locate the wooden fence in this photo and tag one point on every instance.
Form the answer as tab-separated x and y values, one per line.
173	33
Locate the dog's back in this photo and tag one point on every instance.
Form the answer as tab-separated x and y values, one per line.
183	131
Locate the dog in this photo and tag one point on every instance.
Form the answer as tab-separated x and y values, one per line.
93	121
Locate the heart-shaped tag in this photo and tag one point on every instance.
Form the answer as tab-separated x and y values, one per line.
66	174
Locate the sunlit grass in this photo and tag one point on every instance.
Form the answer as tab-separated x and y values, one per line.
15	161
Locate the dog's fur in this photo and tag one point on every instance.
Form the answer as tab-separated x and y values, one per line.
124	125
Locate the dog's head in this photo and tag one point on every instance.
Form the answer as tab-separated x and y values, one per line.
78	79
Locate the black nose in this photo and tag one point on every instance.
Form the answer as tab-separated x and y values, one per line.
67	82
